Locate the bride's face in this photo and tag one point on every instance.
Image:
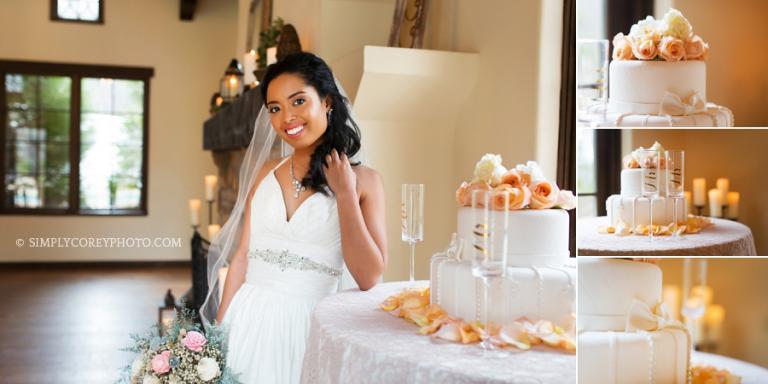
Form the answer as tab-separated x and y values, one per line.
296	110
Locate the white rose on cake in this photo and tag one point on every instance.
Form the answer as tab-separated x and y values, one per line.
489	169
649	26
532	168
676	25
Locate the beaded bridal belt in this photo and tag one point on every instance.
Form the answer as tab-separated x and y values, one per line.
286	260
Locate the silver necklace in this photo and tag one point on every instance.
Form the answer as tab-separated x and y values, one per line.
298	188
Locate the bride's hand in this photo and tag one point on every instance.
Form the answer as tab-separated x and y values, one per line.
339	174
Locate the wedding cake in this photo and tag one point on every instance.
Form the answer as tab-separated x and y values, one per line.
629	210
658	77
626	334
539	284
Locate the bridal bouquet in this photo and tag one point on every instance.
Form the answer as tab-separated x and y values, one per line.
184	355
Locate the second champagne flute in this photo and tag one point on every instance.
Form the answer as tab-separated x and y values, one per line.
412	219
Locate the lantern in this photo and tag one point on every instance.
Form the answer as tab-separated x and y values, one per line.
232	82
166	313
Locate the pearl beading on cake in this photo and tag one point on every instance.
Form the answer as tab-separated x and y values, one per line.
287	260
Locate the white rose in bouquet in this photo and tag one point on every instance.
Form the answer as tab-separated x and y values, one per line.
150	379
208	369
489	169
173	379
676	25
136	368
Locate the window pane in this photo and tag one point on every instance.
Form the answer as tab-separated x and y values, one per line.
587	206
37	141
111	143
590	19
586	182
78	9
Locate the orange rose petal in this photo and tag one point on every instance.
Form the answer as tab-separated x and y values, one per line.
448	332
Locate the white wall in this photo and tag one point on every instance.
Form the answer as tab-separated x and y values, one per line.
188	58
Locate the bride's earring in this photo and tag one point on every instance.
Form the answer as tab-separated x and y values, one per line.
329	116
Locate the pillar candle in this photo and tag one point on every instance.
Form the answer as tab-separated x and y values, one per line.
733	205
699	191
688	202
194	211
723	185
249	65
715	203
714	318
671	297
704	292
210	186
271	55
213	230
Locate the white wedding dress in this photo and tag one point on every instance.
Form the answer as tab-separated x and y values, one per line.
292	264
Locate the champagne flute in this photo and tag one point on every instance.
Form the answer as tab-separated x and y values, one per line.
675	165
649	188
490	240
412	219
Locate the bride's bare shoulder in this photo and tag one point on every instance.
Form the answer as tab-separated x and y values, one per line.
368	178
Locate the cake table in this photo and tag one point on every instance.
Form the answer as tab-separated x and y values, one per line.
352	340
750	373
724	238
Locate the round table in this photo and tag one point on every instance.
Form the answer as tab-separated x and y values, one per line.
351	340
749	373
724	238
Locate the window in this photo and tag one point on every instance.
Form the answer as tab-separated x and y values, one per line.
74	139
84	11
586	184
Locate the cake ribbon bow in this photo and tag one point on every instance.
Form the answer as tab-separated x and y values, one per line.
641	317
673	105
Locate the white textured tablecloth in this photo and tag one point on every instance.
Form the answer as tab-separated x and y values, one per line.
352	340
724	238
750	373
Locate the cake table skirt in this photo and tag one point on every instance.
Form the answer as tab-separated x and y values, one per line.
351	340
749	373
724	238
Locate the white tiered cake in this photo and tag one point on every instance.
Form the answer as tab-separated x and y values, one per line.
658	77
625	333
629	210
539	284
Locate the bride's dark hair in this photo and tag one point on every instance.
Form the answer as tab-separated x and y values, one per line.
342	134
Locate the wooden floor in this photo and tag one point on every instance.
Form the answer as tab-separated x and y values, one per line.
66	325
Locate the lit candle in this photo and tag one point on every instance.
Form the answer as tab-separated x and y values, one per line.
688	201
704	292
249	65
671	297
733	205
723	184
271	55
715	203
699	191
213	230
715	317
210	186
194	211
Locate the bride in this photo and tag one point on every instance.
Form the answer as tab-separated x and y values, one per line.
305	217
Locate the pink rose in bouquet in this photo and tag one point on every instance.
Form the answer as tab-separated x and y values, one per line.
161	362
544	195
194	341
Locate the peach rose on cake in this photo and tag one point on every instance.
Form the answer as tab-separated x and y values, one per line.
516	178
629	162
644	48
519	198
696	48
531	168
464	193
622	47
544	195
671	49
